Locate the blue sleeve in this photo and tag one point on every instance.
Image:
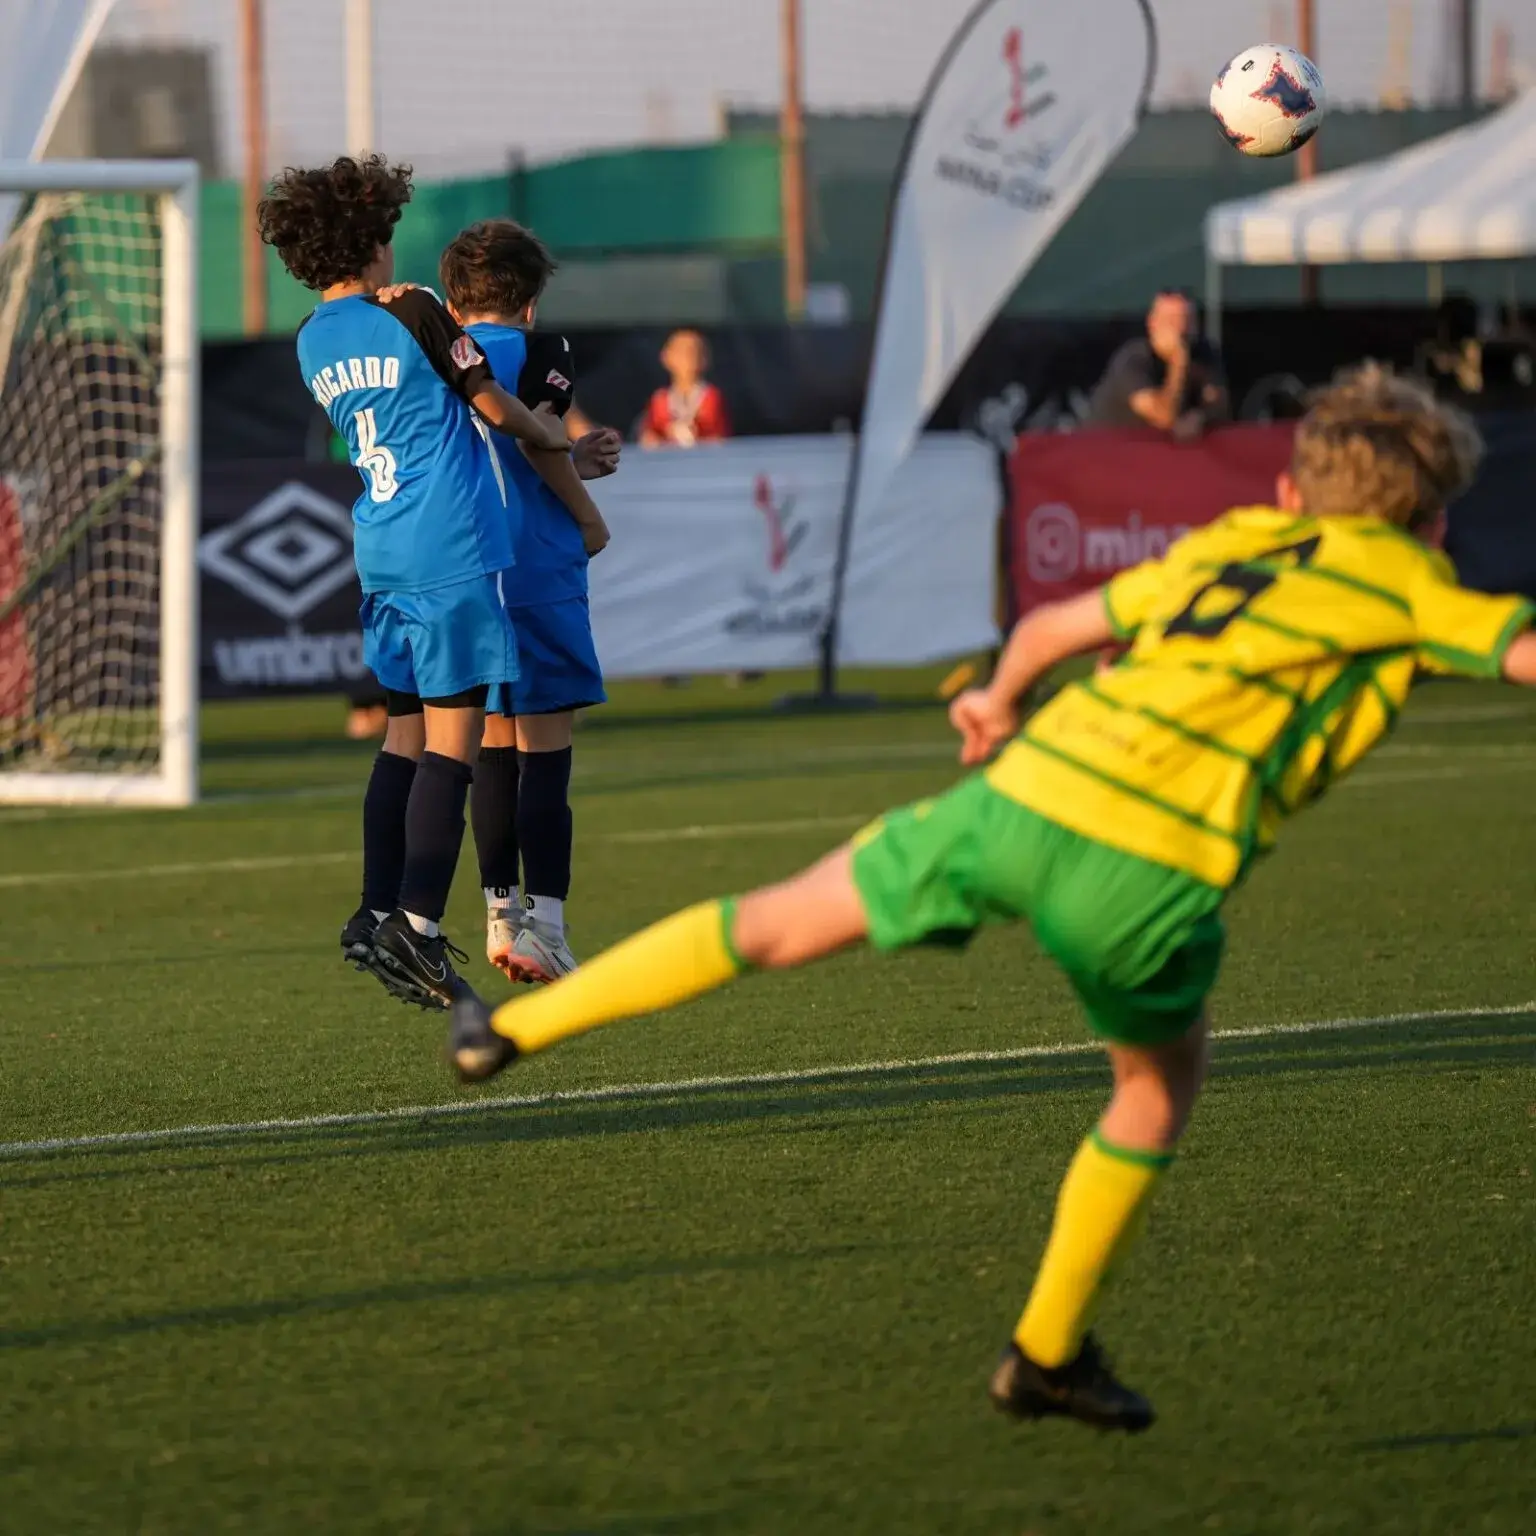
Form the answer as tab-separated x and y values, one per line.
507	351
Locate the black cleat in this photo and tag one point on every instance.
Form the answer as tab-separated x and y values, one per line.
358	951
417	969
1084	1389
357	939
478	1053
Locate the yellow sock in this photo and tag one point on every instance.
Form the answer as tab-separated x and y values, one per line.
1098	1217
680	957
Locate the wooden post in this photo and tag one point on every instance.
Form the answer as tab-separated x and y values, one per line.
254	87
1466	54
792	163
1306	159
362	110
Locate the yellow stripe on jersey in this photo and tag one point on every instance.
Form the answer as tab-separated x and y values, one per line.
1270	654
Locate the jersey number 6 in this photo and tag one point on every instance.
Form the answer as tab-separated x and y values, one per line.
374	459
1246	579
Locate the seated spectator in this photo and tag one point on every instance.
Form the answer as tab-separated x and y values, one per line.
690	410
1171	379
1494	372
1452	364
1509	372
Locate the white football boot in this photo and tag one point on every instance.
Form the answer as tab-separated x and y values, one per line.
539	953
502	926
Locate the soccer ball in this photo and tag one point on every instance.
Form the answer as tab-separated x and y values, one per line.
1269	100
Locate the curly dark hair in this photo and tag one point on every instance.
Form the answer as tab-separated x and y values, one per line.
328	223
495	267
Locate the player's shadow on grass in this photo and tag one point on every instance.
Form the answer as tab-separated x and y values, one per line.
1448	1438
416	1293
220	956
287	747
988	1089
713	1520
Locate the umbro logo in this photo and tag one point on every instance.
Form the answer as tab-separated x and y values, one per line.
290	552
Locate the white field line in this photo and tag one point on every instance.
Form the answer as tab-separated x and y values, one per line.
762	758
682	1087
700	833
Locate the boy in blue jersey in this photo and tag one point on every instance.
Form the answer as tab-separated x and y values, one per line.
407	390
492	276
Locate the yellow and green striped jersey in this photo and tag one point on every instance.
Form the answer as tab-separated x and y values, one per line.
1269	654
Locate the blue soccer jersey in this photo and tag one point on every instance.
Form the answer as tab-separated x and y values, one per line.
550	558
395	380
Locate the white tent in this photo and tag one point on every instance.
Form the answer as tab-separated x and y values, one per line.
1467	195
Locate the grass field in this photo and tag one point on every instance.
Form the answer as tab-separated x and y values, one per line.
753	1306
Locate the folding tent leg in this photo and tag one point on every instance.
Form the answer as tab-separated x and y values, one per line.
1213	299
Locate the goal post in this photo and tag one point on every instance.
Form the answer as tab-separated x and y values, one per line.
99	369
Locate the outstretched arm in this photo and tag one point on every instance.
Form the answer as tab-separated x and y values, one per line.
988	717
461	365
1520	660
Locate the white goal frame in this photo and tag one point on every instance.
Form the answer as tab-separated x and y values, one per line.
175	184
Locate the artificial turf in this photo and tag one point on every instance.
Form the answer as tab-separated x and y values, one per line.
762	1307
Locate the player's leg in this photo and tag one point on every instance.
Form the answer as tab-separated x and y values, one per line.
805	918
545	830
461	644
1052	1364
559	674
1142	944
493	812
411	937
387	652
905	880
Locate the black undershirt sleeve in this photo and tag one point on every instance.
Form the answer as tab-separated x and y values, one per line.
459	363
549	374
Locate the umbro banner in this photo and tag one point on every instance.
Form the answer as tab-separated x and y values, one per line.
720	562
1029	104
279	592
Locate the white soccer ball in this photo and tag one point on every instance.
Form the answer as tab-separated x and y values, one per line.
1269	100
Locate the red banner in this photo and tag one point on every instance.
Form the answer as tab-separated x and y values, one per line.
15	667
1084	505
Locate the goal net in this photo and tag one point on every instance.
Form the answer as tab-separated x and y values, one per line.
97	483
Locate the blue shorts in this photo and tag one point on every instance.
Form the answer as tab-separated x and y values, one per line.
559	668
439	643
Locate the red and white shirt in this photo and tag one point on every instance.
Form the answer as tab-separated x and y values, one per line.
685	417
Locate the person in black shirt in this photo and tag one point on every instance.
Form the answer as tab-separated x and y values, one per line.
1170	379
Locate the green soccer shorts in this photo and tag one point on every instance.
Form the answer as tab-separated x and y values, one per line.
1140	942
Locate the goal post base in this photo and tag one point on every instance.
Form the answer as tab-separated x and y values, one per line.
123	789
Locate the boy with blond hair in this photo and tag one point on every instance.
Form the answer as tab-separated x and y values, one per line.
1268	653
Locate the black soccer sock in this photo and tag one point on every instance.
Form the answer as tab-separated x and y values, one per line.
434	831
544	823
389	790
493	815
